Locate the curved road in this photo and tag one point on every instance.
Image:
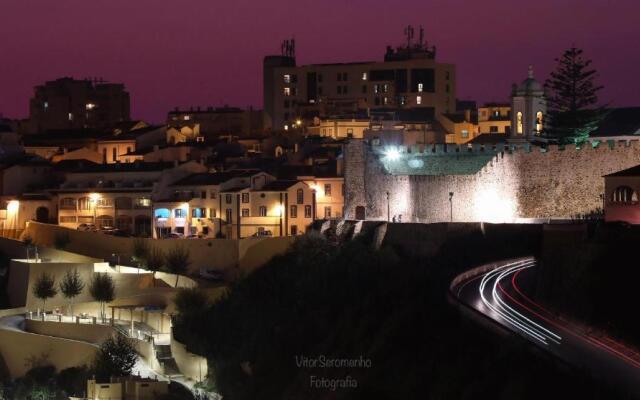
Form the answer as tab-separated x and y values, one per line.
495	292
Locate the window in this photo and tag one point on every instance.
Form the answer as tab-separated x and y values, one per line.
376	88
85	219
228	198
624	194
68	203
180	213
519	127
327	212
493	129
420	87
294	212
539	122
307	211
114	154
339	77
294	229
385	100
300	196
245	212
287	91
70	116
212	213
364	76
327	189
213	194
464	133
418	99
67	219
104	220
286	78
203	194
385	88
364	89
128	149
339	89
103	202
345	89
84	203
286	104
245	197
229	215
143	202
262	211
198	212
46	105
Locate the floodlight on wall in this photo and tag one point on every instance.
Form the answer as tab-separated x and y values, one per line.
13	206
391	154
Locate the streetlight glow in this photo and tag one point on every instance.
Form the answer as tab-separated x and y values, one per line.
392	154
13	206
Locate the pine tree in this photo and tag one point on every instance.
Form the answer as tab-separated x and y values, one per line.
71	286
572	97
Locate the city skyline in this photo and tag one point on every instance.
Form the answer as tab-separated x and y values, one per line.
211	54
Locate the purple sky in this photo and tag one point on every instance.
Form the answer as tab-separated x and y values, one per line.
209	52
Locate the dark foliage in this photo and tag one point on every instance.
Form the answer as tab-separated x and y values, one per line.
44	288
116	357
572	98
103	290
177	261
389	306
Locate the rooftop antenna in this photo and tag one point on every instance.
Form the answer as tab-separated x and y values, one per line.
408	31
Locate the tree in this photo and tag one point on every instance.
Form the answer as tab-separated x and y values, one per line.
44	288
177	261
572	95
27	244
116	357
140	252
71	286
102	289
155	262
190	300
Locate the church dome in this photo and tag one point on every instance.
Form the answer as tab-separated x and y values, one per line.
530	84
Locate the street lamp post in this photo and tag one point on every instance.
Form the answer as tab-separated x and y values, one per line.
450	206
388	209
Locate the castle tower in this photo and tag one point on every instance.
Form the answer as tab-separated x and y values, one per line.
528	110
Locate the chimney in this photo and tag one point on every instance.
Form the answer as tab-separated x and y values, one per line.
467	115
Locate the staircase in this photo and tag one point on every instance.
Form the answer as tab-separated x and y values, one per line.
165	358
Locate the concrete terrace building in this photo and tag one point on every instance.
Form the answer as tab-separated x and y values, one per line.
68	103
409	78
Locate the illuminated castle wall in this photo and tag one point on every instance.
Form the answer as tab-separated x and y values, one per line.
493	185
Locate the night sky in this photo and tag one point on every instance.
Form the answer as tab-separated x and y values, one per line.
209	52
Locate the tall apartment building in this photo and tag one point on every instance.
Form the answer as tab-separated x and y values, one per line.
68	103
409	78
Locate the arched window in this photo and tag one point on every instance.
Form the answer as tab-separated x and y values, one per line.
519	127
85	203
300	196
539	122
624	194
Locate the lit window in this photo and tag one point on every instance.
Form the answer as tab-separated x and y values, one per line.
286	127
287	91
187	117
46	105
464	133
539	122
420	87
327	189
70	116
307	211
262	211
519	127
286	78
245	197
385	88
294	212
376	88
364	76
90	106
179	213
419	100
385	100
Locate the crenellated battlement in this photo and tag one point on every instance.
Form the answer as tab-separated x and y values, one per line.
456	149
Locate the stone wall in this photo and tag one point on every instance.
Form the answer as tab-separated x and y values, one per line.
510	184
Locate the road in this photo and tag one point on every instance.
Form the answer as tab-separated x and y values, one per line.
496	292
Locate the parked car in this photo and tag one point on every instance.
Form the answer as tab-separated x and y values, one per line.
262	234
86	227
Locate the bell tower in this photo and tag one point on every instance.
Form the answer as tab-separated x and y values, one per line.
528	110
